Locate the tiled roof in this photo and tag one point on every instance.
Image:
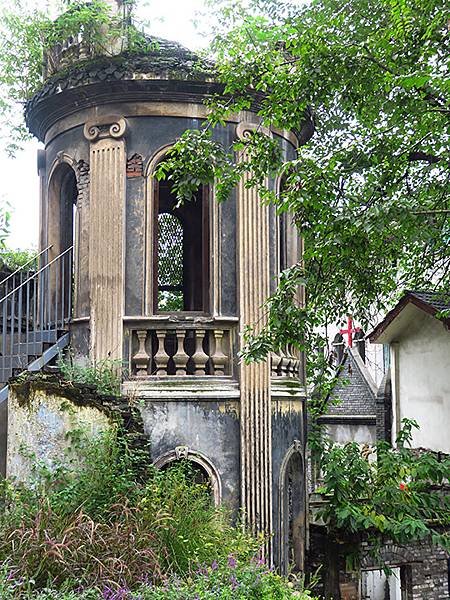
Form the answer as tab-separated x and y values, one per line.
431	302
440	301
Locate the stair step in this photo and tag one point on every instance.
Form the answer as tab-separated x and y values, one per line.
30	349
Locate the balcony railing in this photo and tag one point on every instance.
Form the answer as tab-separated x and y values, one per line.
286	362
181	346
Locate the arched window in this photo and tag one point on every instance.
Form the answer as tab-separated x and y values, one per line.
181	252
289	243
204	472
292	512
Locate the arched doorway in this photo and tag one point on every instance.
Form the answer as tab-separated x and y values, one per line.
204	470
62	202
61	234
292	511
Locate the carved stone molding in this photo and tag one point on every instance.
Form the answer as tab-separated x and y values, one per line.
181	452
297	446
110	126
199	459
244	130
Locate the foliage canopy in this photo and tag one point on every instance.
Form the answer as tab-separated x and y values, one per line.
399	493
369	190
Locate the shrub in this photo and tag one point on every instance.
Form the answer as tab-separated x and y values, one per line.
228	579
99	525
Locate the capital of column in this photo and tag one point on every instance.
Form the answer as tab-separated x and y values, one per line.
109	126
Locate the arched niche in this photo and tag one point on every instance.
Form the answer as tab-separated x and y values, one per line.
200	461
192	292
292	502
61	232
61	207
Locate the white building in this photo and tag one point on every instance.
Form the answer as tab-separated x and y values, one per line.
418	333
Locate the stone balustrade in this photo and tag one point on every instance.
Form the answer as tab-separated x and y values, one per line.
177	347
62	55
286	362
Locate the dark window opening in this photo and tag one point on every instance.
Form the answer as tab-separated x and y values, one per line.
293	527
283	249
193	472
181	252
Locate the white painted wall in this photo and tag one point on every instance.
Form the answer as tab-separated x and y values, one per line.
374	585
421	378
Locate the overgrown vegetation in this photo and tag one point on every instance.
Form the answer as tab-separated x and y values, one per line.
15	259
100	529
29	33
105	375
397	493
366	83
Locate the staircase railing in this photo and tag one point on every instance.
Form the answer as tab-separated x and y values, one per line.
34	311
24	271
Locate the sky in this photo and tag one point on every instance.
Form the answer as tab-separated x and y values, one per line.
171	19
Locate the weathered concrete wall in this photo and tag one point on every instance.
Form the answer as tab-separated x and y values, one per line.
208	426
422	370
39	418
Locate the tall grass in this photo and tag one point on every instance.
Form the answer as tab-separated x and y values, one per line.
100	524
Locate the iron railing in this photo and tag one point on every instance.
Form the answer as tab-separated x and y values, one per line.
35	308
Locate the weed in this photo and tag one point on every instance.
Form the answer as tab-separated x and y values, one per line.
105	375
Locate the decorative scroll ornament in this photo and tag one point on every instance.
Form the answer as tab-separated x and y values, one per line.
106	127
245	129
297	446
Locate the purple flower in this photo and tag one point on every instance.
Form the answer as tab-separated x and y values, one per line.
214	565
232	562
121	594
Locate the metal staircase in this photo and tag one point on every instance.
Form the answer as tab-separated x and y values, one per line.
35	309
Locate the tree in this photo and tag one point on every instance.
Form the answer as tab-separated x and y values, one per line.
397	494
368	190
366	83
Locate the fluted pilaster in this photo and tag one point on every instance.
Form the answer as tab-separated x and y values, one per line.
253	282
106	243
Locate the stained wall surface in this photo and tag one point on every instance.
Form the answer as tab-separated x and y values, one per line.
39	421
423	374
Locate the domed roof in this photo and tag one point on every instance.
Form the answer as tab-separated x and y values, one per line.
163	60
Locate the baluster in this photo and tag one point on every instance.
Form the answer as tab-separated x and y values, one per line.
161	357
180	357
275	360
199	357
290	369
219	359
284	366
142	357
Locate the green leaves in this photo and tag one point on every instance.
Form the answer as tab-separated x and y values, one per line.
28	34
395	492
